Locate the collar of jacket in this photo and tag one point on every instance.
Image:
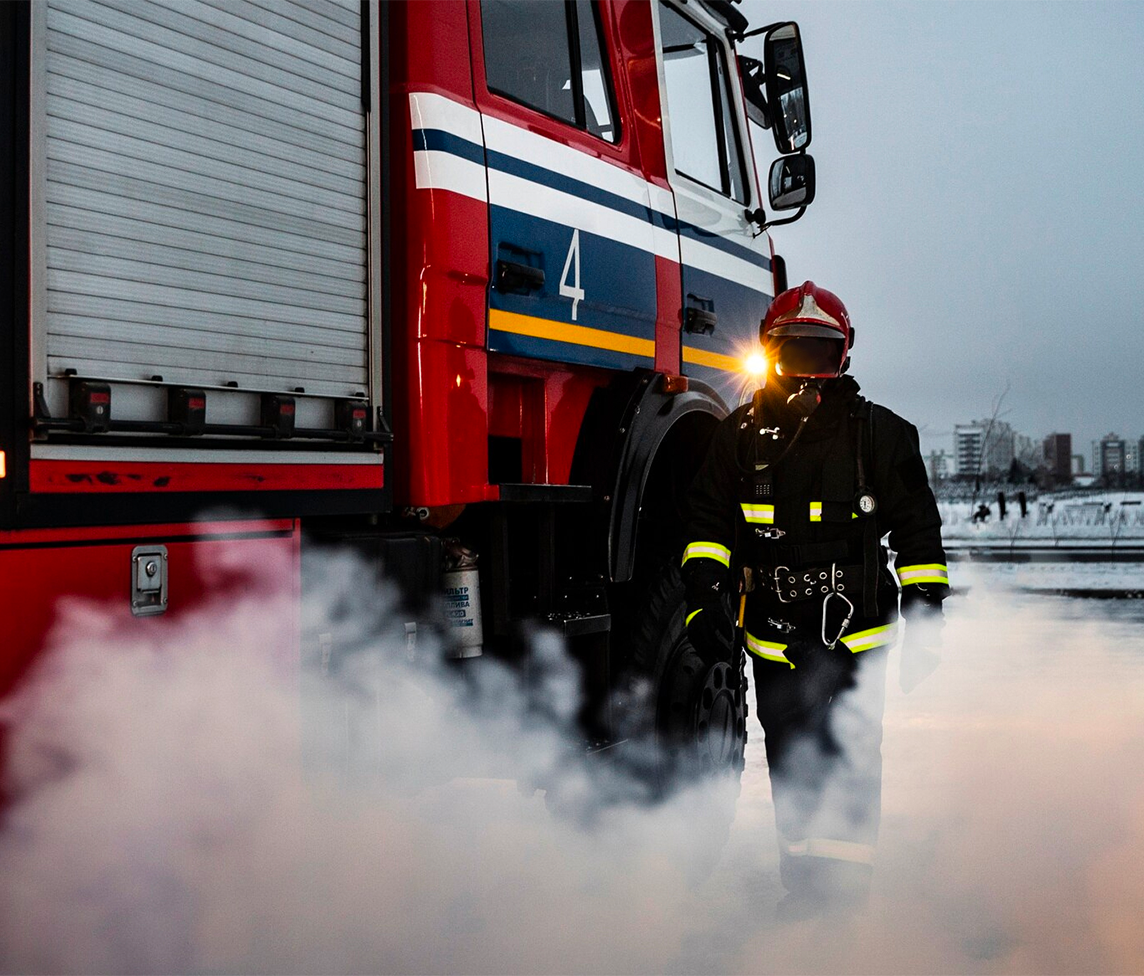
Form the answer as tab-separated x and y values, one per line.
838	397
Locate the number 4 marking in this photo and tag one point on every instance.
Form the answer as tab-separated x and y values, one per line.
573	290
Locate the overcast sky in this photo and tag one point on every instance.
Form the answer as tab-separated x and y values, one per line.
980	206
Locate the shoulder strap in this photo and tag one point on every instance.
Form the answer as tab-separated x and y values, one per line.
864	452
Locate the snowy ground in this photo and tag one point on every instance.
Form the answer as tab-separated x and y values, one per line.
1112	519
1071	578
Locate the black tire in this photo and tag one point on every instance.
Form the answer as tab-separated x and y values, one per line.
694	709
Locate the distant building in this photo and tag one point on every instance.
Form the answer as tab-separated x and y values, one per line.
1132	457
940	465
1028	452
968	441
1078	465
1059	457
1109	457
985	447
1140	457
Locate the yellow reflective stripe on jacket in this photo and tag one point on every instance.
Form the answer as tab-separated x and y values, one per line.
837	850
816	512
708	550
691	616
864	640
768	650
923	573
758	514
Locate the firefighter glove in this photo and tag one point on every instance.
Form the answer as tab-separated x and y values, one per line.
710	631
704	581
923	599
921	651
709	627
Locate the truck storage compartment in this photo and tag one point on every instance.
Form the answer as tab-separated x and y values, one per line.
199	215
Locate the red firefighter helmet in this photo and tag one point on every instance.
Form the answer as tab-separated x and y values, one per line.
807	333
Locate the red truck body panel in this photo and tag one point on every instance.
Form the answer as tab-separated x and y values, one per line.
44	568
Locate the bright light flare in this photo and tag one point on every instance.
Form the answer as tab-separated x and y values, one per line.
755	364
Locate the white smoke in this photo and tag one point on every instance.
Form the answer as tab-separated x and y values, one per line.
192	802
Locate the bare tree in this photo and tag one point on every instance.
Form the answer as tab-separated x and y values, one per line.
987	440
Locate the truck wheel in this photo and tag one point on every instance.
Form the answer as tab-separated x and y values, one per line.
696	709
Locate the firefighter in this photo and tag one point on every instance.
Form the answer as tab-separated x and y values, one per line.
789	508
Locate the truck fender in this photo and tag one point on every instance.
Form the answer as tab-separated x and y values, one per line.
648	422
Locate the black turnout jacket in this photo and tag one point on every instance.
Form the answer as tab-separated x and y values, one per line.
801	524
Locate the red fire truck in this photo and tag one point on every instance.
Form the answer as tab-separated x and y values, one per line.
462	285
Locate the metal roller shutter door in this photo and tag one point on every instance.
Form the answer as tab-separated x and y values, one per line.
204	199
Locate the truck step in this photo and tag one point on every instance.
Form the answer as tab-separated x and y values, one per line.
545	493
580	624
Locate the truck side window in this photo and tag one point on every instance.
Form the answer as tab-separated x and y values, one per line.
704	138
596	82
549	56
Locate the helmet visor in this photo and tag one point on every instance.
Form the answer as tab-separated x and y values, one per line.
810	356
804	329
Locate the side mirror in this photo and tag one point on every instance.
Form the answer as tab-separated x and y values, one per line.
792	182
785	74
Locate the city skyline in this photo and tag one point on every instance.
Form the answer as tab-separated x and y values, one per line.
988	448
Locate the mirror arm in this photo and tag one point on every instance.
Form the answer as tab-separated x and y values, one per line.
785	220
756	217
756	32
734	23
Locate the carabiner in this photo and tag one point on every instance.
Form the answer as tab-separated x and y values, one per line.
778	570
830	645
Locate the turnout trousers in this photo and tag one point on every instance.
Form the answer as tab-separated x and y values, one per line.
822	721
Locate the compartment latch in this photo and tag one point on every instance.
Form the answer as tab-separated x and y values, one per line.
148	580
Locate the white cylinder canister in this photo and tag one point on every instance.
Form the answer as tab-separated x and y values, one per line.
463	603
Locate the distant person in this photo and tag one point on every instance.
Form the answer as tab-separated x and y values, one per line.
982	514
797	490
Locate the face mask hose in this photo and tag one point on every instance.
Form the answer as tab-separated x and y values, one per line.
803	403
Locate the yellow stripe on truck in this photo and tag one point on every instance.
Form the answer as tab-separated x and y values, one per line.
577	335
583	335
716	360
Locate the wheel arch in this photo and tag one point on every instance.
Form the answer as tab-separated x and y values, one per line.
652	431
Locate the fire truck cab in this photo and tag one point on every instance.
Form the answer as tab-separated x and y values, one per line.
465	286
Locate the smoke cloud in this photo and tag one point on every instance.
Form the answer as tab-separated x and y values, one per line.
191	802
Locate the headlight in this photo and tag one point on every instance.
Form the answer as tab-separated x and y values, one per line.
755	364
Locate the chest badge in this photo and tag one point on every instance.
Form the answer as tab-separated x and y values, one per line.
865	502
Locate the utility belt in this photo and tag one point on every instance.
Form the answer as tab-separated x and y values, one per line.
795	585
827	583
